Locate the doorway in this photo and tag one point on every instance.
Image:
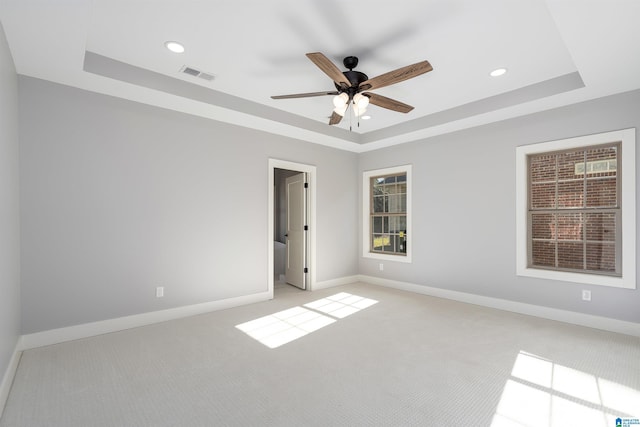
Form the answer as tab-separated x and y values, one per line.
291	225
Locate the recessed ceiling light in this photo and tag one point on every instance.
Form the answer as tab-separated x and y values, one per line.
365	117
498	72
174	47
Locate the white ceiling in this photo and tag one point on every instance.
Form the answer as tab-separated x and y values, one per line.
557	52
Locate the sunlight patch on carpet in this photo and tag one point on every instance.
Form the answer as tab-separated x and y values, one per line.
288	325
341	305
541	392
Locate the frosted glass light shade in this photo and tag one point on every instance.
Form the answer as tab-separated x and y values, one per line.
341	109
340	100
361	101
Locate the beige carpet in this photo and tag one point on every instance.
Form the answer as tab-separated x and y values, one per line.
355	355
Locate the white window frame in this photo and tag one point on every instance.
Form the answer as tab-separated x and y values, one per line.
627	138
366	214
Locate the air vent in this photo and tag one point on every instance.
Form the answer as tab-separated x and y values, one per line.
190	71
206	76
197	73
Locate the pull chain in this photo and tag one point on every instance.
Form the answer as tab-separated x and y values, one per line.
351	114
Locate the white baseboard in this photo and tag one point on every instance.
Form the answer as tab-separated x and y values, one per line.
7	379
591	321
335	282
55	336
70	333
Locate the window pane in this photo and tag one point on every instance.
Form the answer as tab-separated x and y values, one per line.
402	178
542	226
542	168
402	223
569	226
390	179
397	203
601	227
571	194
398	224
602	162
393	224
571	255
543	254
385	224
377	224
394	203
402	243
601	257
380	241
543	196
567	165
602	192
378	204
377	186
389	244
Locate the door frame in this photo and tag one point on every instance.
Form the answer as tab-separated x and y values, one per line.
310	170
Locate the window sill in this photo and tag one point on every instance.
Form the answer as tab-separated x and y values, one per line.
385	257
587	279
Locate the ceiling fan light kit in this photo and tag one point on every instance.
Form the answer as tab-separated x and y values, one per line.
342	102
351	86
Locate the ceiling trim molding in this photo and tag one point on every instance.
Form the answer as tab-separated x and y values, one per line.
554	86
315	131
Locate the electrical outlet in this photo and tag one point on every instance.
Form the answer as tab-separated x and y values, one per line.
381	267
586	295
159	291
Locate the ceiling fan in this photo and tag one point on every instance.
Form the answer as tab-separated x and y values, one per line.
351	86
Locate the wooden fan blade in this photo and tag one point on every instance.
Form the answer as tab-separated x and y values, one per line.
397	76
388	103
329	68
304	95
335	118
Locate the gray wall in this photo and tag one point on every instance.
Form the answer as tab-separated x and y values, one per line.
9	208
118	198
464	208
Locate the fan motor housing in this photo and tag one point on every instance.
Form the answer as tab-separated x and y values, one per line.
354	77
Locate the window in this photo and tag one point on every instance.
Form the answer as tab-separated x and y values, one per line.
386	214
576	209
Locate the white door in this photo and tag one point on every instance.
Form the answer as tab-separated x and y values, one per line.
296	257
